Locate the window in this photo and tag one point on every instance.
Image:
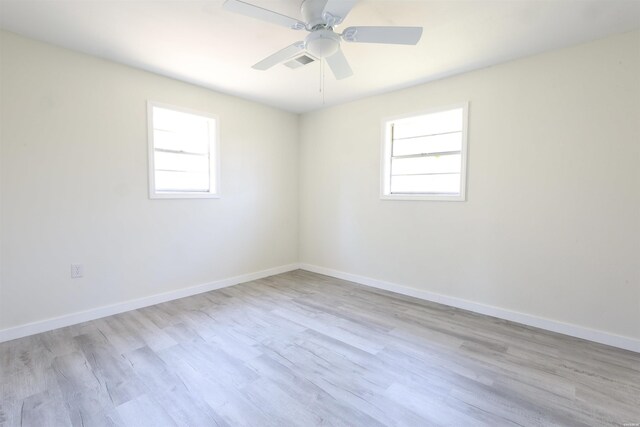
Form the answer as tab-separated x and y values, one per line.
183	153
424	155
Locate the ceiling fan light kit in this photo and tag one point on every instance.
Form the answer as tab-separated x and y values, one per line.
320	18
322	43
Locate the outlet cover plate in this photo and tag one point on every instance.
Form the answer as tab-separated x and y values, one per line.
77	271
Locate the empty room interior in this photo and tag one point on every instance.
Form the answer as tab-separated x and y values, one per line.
319	212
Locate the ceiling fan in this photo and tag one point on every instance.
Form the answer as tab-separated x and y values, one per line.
320	19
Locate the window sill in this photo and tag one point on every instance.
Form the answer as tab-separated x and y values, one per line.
424	197
184	195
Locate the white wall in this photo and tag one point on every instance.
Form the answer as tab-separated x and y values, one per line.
551	226
74	187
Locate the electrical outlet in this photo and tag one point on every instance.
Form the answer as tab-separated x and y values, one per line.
76	271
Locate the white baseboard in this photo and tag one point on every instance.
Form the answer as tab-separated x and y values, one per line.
96	313
514	316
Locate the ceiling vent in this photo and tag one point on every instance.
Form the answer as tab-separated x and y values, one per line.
300	61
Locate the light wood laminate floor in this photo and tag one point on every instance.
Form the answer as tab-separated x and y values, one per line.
304	349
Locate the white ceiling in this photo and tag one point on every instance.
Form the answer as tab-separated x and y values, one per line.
199	42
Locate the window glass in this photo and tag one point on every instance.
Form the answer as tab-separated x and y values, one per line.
182	153
425	156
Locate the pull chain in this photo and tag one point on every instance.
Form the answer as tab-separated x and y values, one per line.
322	85
322	79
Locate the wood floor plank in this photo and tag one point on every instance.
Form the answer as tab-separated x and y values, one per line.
302	349
42	410
144	411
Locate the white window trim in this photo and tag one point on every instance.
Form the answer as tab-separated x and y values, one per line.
385	158
214	150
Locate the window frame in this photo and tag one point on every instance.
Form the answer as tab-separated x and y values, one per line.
214	156
385	157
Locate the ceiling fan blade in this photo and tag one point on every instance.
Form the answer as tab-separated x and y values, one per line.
262	14
279	56
339	65
389	35
338	10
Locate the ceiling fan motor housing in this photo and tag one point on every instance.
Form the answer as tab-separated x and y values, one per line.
322	43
